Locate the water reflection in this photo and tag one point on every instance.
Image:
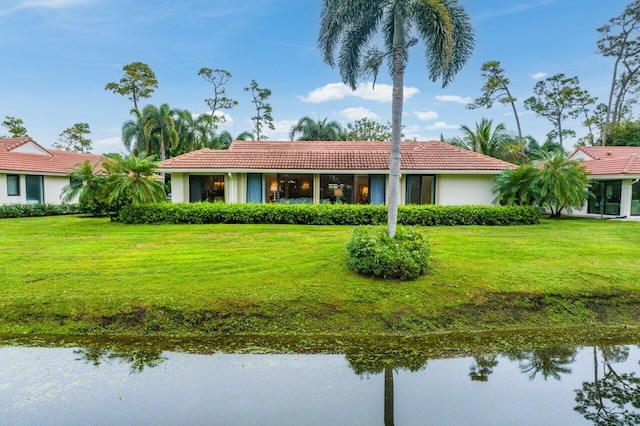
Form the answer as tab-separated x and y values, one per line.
314	382
612	397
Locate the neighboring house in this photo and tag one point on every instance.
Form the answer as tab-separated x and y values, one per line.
332	172
30	173
614	172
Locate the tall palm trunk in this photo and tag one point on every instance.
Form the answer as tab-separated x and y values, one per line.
396	123
389	417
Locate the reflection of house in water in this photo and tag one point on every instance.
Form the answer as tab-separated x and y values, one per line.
332	172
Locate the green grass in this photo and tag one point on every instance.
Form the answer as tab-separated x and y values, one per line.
75	275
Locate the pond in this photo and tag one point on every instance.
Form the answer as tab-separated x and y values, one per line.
241	382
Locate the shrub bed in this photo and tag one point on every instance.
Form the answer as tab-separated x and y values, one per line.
372	253
34	210
326	214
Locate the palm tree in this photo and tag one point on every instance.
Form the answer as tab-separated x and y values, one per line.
194	131
160	124
308	129
88	185
133	135
132	179
443	26
516	187
562	184
494	142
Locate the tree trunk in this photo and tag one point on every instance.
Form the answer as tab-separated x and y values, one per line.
608	115
388	397
396	122
515	113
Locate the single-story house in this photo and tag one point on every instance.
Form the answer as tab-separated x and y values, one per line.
332	172
30	173
615	174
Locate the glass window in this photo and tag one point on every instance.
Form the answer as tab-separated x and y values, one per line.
271	188
34	189
420	189
635	199
254	188
336	189
13	185
606	197
206	188
361	185
295	189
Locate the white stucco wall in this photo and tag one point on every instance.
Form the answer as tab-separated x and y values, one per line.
4	198
464	189
179	188
450	189
53	186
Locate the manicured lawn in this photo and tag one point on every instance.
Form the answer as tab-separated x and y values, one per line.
83	275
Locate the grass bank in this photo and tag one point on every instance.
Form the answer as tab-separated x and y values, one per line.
74	275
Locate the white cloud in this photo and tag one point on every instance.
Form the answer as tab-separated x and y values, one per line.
366	91
227	119
359	113
453	98
281	133
538	75
103	146
441	125
426	115
44	4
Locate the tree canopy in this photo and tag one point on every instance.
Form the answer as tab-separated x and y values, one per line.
308	129
138	82
74	139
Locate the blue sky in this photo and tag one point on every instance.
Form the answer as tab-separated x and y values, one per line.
59	54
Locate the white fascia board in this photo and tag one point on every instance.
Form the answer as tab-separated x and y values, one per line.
333	172
613	177
30	172
275	171
452	172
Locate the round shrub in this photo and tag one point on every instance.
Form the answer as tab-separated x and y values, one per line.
372	253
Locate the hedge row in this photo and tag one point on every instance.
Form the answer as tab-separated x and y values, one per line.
326	214
33	210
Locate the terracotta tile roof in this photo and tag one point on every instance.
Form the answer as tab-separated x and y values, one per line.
604	152
334	156
50	161
611	160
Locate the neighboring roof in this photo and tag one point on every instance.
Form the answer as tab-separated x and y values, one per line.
605	152
260	155
26	155
610	160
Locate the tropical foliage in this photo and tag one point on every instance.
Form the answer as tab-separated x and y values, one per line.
492	141
557	184
308	129
117	182
346	28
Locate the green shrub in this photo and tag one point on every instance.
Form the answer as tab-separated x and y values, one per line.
372	253
326	214
33	210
